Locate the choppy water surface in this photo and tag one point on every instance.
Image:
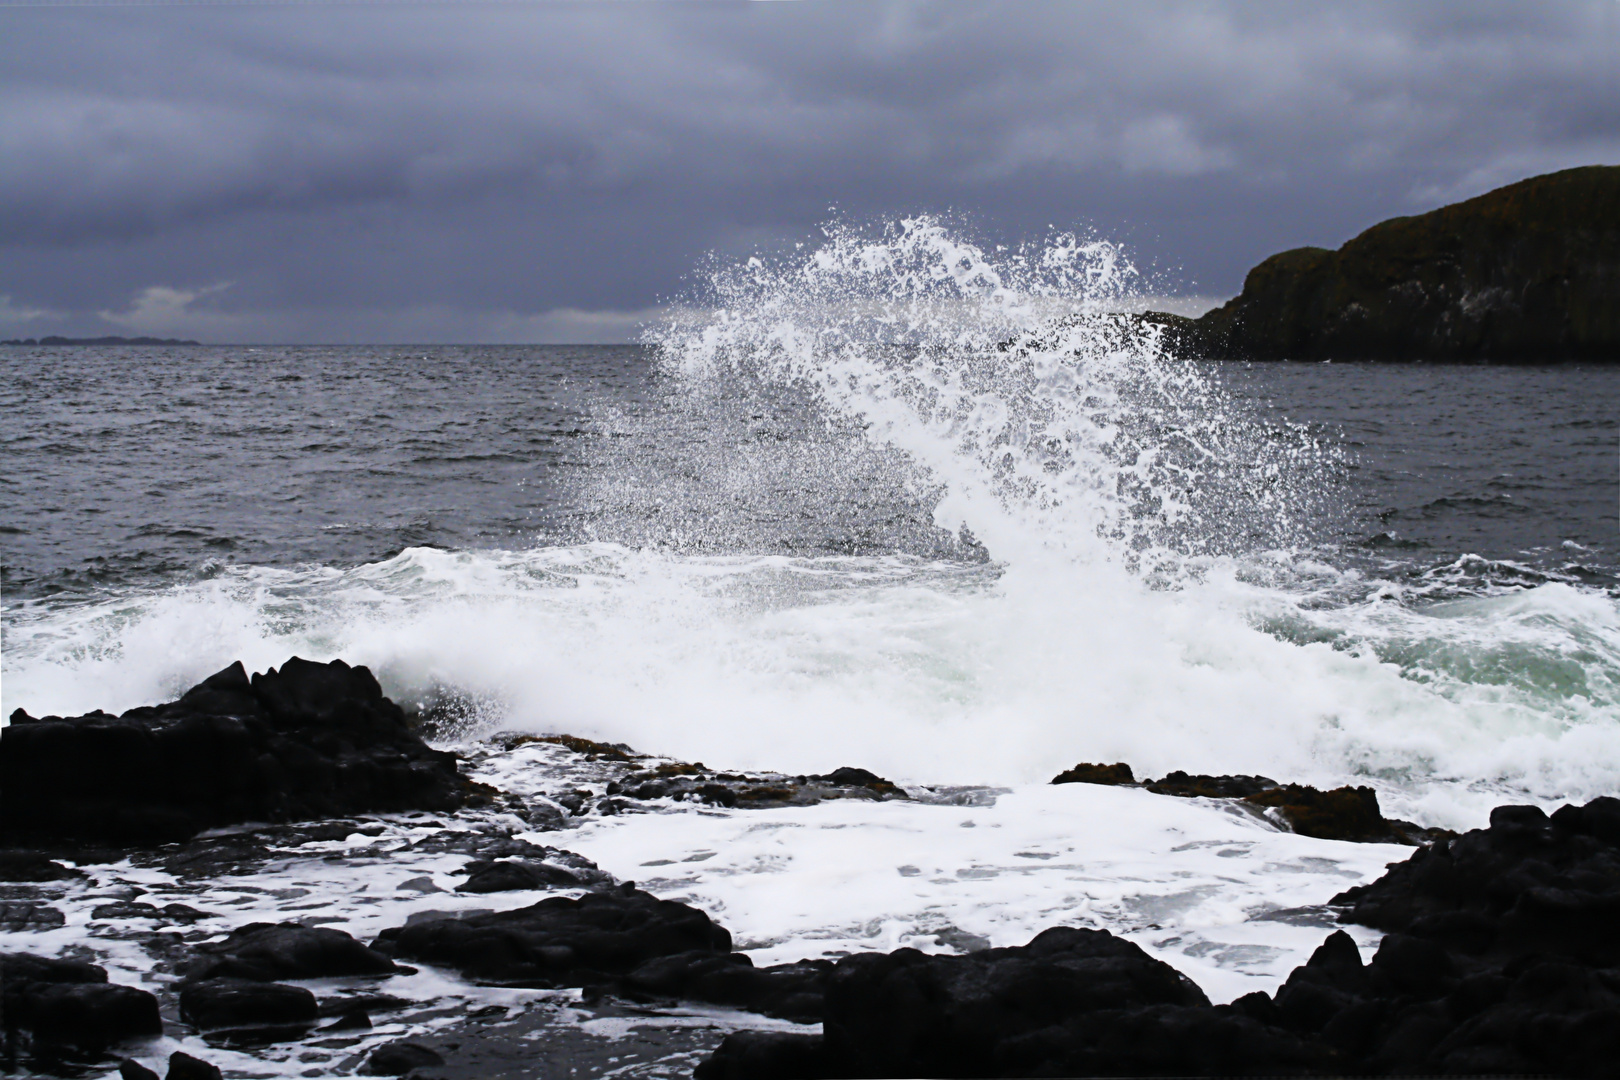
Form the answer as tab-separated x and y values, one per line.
870	505
872	512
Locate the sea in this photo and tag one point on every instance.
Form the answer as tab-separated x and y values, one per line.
946	512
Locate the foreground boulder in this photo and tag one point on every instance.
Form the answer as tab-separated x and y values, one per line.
244	1011
231	992
1529	884
69	1003
1072	1002
788	991
618	940
910	1014
1503	958
265	952
308	741
560	941
1525	273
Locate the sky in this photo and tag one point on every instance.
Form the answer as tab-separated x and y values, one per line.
537	171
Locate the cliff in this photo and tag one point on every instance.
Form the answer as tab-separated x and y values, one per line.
1524	274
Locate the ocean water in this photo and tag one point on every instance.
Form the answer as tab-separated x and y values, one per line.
901	503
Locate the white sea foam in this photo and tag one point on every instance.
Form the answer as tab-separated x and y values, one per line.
1152	595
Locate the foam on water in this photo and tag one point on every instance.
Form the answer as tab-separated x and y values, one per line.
1154	592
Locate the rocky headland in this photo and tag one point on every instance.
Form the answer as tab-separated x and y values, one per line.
1501	952
1527	273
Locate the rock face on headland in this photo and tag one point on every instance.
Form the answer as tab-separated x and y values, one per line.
1503	958
1527	273
308	741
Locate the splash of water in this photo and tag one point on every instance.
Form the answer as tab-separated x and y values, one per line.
1052	420
1150	598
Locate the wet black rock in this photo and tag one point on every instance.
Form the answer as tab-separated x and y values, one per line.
1529	885
506	875
249	1011
399	1058
1502	957
1346	813
1087	773
639	781
183	1066
265	952
1503	954
71	1003
308	741
22	865
780	1055
909	1014
1201	786
560	941
1052	1007
788	991
17	915
130	1069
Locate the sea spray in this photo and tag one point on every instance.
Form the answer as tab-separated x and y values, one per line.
1048	417
773	571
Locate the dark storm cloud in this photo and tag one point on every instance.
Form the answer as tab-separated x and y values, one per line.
463	170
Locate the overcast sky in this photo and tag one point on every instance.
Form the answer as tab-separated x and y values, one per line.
539	171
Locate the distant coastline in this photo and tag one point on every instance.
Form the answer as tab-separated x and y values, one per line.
55	340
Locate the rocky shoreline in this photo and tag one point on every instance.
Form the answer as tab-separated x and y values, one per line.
1501	954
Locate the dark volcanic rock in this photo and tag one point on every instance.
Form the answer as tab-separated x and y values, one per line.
1503	958
752	1055
130	1069
1087	773
1503	954
560	941
399	1058
33	866
1528	885
1528	272
70	1003
310	740
28	915
183	1066
264	952
789	991
505	875
1346	813
909	1014
254	1011
1209	787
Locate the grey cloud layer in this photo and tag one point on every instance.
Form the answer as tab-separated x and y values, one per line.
512	160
